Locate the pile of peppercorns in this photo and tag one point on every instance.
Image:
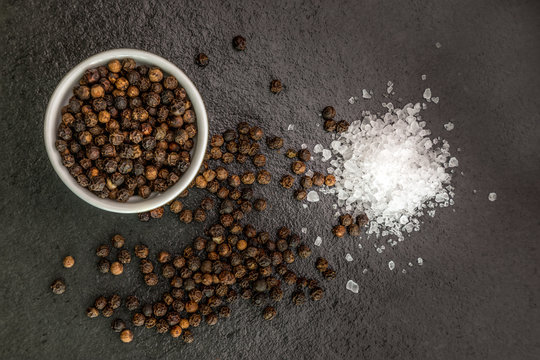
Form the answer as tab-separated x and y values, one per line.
210	274
128	130
233	191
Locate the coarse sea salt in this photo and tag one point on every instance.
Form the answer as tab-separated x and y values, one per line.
348	257
388	167
352	286
366	94
391	265
318	241
492	196
449	126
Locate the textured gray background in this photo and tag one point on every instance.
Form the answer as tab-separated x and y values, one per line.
475	297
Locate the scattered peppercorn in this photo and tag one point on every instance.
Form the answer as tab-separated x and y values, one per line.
328	113
342	126
239	43
287	181
118	241
290	153
330	125
339	230
298	297
276	86
141	251
304	155
201	59
274	143
362	220
58	286
354	230
126	336
269	313
118	325
298	167
321	264
68	262
329	274
117	268
345	220
92	312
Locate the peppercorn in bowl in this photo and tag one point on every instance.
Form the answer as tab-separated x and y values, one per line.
126	131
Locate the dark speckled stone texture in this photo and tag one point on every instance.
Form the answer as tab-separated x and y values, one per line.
475	297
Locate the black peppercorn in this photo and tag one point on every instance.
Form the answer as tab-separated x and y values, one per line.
100	303
304	251
328	113
132	303
118	325
298	297
274	143
239	43
201	60
330	125
287	181
92	312
276	86
58	286
329	274
104	265
362	220
316	293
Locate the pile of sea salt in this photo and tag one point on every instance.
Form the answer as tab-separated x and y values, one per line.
389	168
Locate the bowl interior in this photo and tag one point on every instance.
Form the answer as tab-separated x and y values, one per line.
61	96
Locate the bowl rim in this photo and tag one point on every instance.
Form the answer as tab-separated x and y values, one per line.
52	120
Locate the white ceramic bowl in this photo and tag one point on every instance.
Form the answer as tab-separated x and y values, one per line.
64	91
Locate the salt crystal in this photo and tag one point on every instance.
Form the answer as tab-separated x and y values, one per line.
309	172
351	100
474	191
453	162
312	196
304	206
290	127
410	264
492	196
318	148
404	271
352	286
359	246
427	94
304	230
391	265
449	126
424	77
390	87
364	271
318	241
365	94
438	45
379	250
348	257
303	146
420	261
435	99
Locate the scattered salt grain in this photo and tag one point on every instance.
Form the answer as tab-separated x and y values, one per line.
326	155
366	94
359	246
304	206
303	146
391	265
427	94
318	148
348	257
309	172
313	196
404	271
492	196
410	264
420	261
318	241
435	99
390	87
364	271
438	45
453	162
449	126
424	77
304	230
290	127
352	100
352	286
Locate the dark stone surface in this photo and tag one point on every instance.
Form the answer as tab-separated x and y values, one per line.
475	297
